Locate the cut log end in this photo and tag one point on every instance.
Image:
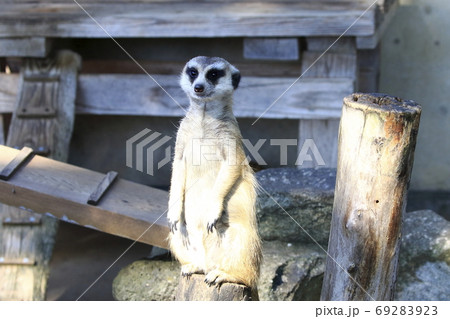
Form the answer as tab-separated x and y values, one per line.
382	103
194	288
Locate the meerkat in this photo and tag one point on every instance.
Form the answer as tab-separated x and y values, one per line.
212	218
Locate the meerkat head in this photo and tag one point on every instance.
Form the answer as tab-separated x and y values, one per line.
208	78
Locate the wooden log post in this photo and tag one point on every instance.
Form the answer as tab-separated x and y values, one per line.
194	288
377	137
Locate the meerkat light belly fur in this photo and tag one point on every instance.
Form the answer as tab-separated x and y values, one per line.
213	190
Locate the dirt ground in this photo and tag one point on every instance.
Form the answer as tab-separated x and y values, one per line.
81	255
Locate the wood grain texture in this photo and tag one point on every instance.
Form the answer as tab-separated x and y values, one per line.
36	242
309	98
24	47
2	132
284	49
377	137
61	190
14	165
187	19
102	188
324	134
194	288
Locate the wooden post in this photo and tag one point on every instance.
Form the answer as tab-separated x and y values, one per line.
194	288
43	120
377	137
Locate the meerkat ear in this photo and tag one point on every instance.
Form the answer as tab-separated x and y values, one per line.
235	78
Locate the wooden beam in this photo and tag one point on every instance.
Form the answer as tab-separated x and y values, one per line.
129	94
168	19
377	137
37	47
279	49
194	288
53	188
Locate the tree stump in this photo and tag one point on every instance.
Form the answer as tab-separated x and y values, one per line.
194	288
377	137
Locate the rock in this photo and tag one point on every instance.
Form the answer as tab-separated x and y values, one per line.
424	261
306	195
147	280
426	237
430	282
291	271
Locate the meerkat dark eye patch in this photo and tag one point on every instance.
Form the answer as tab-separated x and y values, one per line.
192	73
214	75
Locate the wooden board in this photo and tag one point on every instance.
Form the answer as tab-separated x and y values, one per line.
187	19
324	134
24	47
2	133
61	190
309	98
25	281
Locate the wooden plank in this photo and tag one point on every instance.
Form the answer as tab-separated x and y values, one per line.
102	188
369	70
22	281
324	134
371	42
130	94
14	165
36	242
52	133
330	65
61	190
2	132
284	49
22	220
24	47
331	44
187	19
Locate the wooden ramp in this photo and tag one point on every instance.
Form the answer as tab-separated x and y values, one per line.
53	188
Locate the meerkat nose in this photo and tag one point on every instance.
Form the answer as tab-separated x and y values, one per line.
199	88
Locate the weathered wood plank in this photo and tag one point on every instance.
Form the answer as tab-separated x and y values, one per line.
61	190
309	98
332	44
2	132
369	70
187	19
49	133
25	282
102	188
388	13
24	47
330	65
324	135
14	165
377	137
284	49
194	288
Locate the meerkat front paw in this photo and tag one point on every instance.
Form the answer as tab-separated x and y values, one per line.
189	269
217	277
